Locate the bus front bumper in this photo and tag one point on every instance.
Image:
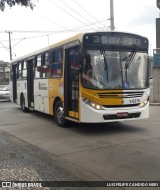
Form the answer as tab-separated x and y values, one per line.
91	115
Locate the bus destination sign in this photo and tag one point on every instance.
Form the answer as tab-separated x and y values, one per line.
116	39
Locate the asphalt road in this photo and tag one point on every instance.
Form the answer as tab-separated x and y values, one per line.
125	151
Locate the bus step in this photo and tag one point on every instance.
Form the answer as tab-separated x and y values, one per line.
71	119
31	109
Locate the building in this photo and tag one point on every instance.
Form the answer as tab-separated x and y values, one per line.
4	72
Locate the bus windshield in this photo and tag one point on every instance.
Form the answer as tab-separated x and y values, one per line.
114	70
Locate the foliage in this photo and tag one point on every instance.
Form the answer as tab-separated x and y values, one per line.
10	3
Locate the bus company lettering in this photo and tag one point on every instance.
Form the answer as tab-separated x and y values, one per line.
91	80
50	87
18	84
60	88
42	86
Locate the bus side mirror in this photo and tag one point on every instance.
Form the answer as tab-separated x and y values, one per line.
150	81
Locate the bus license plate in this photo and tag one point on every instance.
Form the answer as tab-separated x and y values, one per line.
122	114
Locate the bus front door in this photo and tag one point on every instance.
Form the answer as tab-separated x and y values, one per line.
14	78
30	76
71	84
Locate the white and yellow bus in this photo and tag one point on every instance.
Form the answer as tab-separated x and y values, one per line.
89	78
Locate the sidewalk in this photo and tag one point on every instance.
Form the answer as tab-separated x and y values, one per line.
20	161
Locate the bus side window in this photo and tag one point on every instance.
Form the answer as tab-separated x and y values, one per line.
19	70
56	63
11	73
24	69
46	58
46	65
38	67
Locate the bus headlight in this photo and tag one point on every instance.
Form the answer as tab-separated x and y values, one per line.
144	103
92	104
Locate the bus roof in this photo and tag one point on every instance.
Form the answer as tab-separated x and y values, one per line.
64	42
56	45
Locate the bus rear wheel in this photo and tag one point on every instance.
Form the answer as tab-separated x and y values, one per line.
59	114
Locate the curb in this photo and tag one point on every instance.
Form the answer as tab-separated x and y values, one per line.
154	104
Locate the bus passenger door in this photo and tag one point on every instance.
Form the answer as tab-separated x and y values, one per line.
30	78
71	84
14	79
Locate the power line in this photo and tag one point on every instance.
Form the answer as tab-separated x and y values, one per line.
77	12
92	23
50	32
85	10
66	12
68	29
4	46
75	29
53	21
18	42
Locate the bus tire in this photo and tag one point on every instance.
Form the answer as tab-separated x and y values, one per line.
23	108
59	114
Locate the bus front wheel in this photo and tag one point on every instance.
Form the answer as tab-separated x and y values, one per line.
59	114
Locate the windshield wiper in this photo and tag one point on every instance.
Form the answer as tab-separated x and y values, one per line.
105	62
129	60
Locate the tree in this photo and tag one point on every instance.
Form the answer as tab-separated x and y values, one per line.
26	3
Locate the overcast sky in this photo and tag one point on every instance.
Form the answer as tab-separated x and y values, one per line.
54	20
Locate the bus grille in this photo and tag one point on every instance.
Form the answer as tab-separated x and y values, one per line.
115	95
121	106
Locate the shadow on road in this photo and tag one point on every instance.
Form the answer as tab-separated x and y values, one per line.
107	128
94	129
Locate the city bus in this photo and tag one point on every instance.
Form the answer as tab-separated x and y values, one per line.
96	77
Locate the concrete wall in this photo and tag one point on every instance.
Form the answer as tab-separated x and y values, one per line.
156	85
157	32
156	70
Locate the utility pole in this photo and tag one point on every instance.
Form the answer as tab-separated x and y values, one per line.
48	38
10	46
111	15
